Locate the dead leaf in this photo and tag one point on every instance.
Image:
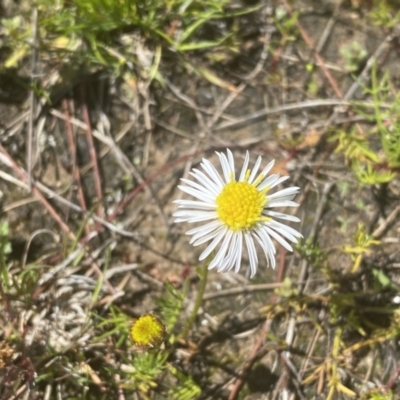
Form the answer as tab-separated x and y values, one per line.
310	139
214	79
280	168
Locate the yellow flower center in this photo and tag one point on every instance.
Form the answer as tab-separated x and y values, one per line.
147	331
240	205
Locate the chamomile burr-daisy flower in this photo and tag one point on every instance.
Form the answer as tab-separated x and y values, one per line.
237	212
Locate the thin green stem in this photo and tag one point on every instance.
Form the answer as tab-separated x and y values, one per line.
203	273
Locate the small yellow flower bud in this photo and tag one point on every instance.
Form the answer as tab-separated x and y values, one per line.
147	331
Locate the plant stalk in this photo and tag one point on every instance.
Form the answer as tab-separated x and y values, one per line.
203	273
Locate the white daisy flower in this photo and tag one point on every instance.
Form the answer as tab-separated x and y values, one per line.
238	211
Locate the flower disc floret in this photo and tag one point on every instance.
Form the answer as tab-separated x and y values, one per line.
240	205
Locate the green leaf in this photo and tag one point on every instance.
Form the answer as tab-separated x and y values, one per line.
200	45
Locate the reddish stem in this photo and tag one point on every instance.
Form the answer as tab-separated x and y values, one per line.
75	169
93	155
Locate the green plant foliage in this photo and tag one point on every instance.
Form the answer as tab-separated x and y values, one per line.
385	13
18	34
288	289
353	54
355	146
374	156
286	24
5	249
362	245
5	245
367	175
115	34
146	368
387	119
388	395
186	389
384	281
170	304
311	252
361	158
115	324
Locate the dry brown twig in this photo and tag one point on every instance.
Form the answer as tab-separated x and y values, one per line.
317	56
72	149
362	77
8	160
51	194
93	155
111	144
245	290
32	99
238	383
275	110
120	157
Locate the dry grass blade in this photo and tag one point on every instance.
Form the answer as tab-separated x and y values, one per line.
93	155
23	176
32	99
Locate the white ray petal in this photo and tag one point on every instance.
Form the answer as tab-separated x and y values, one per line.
268	181
204	228
278	181
206	181
272	182
251	250
244	168
267	251
193	213
207	237
268	168
284	192
263	234
279	203
284	198
209	189
212	172
285	230
236	251
225	166
222	250
279	239
230	257
201	195
284	234
239	251
212	245
201	236
255	170
231	163
286	217
195	217
288	228
199	205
